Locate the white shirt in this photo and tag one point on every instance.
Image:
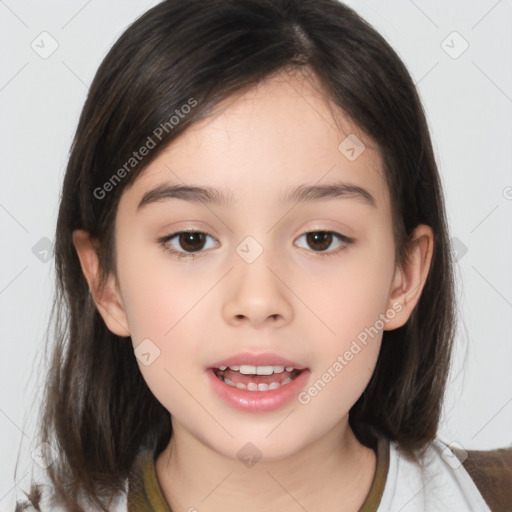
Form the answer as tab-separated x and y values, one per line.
443	485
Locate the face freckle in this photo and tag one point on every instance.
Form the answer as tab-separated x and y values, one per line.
258	286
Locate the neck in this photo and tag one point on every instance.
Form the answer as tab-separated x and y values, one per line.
333	473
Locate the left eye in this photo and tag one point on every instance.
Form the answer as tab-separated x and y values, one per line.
323	239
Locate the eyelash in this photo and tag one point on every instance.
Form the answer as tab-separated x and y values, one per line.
346	241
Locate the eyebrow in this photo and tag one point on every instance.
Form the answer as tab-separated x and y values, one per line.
223	197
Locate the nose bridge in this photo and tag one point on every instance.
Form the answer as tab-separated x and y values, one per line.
255	292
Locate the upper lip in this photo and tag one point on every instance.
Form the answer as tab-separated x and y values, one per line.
261	359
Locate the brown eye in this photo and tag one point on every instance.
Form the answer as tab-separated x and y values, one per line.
185	243
191	241
319	241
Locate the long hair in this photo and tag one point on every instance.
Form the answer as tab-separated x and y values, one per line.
97	410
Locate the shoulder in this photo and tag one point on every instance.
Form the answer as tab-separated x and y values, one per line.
141	490
40	497
491	471
447	477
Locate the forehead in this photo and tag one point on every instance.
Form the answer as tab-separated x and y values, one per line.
274	136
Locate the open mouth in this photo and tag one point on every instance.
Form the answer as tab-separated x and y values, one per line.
256	378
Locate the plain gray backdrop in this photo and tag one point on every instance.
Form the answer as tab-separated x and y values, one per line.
460	56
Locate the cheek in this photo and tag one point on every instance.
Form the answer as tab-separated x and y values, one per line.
162	304
157	293
350	300
346	352
347	355
349	295
161	309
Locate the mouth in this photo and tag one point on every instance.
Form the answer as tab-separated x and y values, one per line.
257	383
256	378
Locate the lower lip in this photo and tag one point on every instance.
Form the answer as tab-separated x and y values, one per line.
258	401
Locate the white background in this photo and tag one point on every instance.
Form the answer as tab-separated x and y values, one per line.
468	101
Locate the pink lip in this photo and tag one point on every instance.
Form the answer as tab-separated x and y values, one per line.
258	401
263	359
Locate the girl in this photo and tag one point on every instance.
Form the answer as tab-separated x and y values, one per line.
255	304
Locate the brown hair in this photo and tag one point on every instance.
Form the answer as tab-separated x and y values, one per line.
98	411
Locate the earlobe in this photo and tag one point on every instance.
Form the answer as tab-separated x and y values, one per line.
107	298
408	282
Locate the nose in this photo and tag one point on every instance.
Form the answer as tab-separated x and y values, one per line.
257	294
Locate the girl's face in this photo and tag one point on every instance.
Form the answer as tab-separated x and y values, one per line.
258	282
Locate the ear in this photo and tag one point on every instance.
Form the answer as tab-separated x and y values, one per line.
408	282
107	299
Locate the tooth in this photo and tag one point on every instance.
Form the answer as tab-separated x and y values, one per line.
246	369
252	386
278	369
236	368
289	368
222	367
264	370
285	381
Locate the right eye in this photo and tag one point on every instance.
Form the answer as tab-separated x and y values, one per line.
190	241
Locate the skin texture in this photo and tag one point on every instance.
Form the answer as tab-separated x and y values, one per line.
292	299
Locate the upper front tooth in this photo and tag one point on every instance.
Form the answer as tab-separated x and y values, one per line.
264	370
258	370
247	369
